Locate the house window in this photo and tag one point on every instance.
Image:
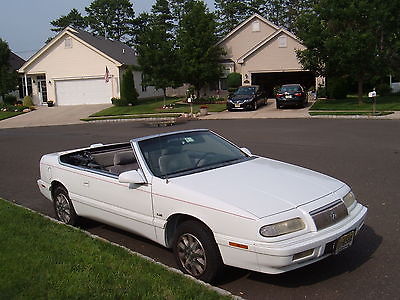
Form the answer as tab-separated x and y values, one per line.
22	89
68	43
256	26
282	41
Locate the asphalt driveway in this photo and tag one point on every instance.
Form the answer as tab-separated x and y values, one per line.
363	153
57	115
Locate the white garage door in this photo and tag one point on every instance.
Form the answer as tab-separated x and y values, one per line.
83	91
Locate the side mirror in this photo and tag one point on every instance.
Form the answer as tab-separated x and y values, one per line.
132	177
247	151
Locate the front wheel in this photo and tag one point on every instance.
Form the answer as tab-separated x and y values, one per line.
63	207
196	251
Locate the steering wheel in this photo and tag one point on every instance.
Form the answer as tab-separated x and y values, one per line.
202	159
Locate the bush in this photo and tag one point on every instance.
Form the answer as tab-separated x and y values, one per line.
234	80
10	99
119	102
27	101
128	90
321	92
337	88
209	100
383	89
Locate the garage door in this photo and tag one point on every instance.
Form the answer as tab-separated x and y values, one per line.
83	91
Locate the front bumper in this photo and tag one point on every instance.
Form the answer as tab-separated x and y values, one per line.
239	106
279	257
291	101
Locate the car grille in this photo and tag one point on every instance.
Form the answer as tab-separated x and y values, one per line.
328	215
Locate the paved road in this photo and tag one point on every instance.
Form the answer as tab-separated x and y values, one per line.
363	153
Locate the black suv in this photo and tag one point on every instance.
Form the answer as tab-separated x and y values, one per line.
248	97
291	94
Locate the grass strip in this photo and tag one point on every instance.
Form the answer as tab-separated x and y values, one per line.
9	114
383	103
42	259
155	106
349	113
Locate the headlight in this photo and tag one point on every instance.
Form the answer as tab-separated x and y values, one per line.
349	199
281	228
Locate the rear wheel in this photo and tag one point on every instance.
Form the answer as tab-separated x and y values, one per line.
63	207
278	105
196	251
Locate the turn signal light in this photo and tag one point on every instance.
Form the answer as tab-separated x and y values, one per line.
238	245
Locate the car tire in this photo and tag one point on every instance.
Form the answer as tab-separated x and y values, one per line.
255	106
63	207
278	106
196	251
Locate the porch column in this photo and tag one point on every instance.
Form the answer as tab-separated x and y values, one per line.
26	84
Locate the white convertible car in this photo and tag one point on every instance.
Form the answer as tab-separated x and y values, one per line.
210	201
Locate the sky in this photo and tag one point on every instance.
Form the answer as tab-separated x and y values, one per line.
25	24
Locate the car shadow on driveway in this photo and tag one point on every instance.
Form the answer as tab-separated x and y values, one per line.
365	244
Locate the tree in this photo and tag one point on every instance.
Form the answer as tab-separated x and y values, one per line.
111	18
347	38
74	19
128	90
197	40
283	13
230	13
8	77
156	48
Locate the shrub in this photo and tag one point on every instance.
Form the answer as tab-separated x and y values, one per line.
337	88
128	90
119	102
10	99
27	101
383	89
321	92
234	80
209	100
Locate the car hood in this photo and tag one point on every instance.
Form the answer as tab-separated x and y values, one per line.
260	186
238	98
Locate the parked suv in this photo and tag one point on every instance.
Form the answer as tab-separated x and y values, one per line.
291	94
248	97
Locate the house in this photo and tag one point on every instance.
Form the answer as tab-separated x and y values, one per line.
263	54
76	67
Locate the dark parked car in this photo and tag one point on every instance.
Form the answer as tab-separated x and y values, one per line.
246	98
291	94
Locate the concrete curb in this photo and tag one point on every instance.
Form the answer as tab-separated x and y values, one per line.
207	285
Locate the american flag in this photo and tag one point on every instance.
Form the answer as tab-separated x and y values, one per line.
107	75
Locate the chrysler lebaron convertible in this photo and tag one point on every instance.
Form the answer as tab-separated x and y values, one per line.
210	201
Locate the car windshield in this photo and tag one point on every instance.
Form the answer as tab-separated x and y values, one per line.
246	90
188	152
291	88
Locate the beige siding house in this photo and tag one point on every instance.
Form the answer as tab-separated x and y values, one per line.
264	54
79	68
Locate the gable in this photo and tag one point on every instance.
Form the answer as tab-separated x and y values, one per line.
275	55
246	36
69	57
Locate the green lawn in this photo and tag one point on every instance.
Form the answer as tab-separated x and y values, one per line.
348	113
40	259
155	106
383	103
9	114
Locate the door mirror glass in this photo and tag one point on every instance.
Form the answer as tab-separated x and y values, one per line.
247	151
132	177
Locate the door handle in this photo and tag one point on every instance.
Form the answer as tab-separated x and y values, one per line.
86	183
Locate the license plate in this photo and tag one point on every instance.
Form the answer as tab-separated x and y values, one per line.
237	105
344	242
289	97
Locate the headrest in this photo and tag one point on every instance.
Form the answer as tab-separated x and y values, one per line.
124	158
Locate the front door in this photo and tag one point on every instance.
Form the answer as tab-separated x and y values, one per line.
42	88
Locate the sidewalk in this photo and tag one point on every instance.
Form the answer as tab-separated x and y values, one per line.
50	116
